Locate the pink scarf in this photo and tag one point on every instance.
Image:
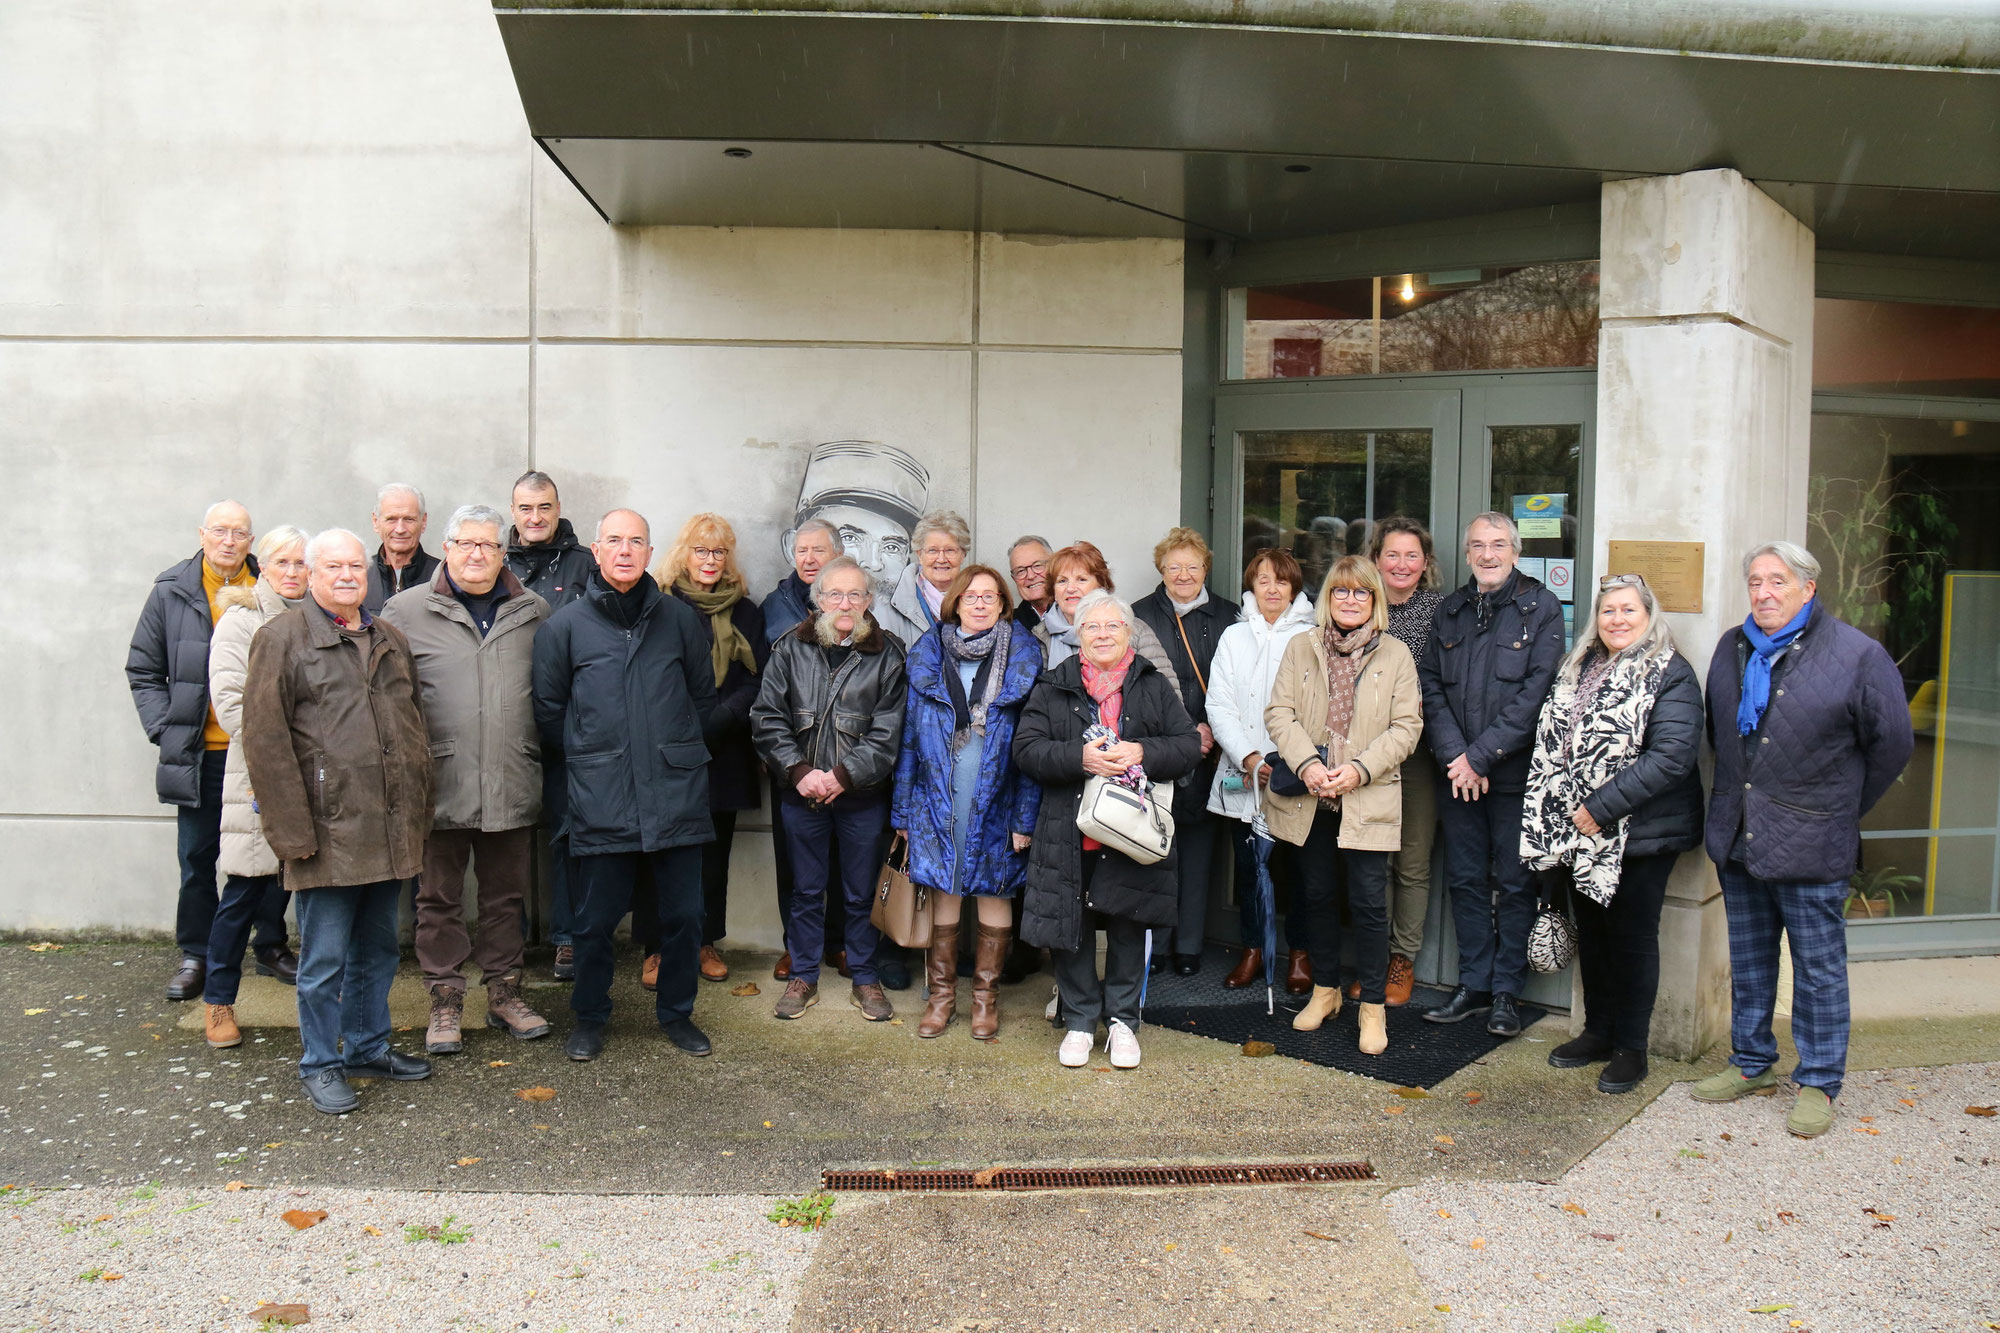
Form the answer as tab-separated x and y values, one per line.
1106	685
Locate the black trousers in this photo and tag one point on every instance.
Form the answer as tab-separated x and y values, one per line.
603	886
1325	868
1618	951
715	877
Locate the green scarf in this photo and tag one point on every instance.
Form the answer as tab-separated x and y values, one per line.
730	645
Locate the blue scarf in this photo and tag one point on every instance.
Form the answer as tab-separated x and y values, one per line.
1757	670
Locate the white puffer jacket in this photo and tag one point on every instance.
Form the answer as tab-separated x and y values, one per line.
244	851
1239	685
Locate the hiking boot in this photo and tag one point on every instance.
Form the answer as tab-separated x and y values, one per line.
506	1009
649	973
941	978
873	1004
712	966
1402	980
1732	1083
220	1026
565	964
1626	1071
1812	1114
444	1037
989	952
1577	1052
800	995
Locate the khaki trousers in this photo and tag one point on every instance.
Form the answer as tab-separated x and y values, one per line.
1410	868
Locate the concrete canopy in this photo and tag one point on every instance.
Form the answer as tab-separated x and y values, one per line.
1123	126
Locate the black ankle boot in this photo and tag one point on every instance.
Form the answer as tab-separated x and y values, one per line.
1580	1051
1626	1071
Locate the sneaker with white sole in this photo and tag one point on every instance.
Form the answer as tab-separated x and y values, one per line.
1074	1053
1123	1043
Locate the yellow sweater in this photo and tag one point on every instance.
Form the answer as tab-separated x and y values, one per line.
213	736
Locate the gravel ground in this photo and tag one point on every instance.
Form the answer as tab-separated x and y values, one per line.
1693	1215
202	1259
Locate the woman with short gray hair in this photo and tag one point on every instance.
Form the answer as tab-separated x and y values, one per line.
939	545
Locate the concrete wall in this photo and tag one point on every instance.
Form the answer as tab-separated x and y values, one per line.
286	253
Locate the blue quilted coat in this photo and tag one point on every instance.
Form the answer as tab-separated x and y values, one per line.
1006	801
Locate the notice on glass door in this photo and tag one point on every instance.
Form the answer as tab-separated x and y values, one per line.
1673	570
1540	515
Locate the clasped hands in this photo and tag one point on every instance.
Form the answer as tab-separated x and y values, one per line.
820	785
1323	781
1108	761
1466	785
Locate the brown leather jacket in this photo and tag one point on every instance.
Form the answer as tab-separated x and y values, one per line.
337	749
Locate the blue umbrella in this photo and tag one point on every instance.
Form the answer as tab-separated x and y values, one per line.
1261	846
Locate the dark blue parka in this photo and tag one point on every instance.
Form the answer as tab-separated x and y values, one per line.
1483	688
1006	800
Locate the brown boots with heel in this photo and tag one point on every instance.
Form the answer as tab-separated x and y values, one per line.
989	956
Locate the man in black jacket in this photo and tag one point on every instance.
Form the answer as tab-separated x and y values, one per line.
167	669
543	552
1492	657
401	562
624	686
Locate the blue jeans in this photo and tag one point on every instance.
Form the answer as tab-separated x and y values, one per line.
199	830
842	841
347	958
604	884
555	818
1810	916
1492	889
245	898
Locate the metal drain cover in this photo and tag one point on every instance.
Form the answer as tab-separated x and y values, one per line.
925	1179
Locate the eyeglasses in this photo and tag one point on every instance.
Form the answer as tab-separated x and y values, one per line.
978	598
831	598
1622	581
476	548
1488	548
709	552
229	534
1037	567
1349	594
625	543
1184	571
1100	626
952	552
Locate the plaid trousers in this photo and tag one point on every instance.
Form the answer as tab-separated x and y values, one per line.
1810	916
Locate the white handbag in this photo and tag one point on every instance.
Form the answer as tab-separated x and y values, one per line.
1139	825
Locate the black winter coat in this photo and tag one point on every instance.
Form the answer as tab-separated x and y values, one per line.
864	698
1483	691
384	582
1834	738
1048	747
167	669
1660	790
557	569
1204	626
732	759
627	705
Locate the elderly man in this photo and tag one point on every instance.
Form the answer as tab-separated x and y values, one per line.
472	633
167	668
1492	658
546	557
401	562
838	667
1028	564
624	685
1810	726
334	739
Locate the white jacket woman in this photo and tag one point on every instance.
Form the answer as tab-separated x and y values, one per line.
1239	686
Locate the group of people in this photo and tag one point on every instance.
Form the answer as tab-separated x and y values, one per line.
334	725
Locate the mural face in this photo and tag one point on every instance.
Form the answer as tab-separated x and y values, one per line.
873	493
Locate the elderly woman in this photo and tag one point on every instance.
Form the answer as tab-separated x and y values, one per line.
1275	609
1074	572
1345	713
1189	623
961	802
701	570
938	545
254	892
1614	798
1107	712
1401	550
827	721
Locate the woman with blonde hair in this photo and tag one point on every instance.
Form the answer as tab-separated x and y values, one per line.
1345	712
701	571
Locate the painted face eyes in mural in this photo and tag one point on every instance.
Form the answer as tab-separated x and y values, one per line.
874	551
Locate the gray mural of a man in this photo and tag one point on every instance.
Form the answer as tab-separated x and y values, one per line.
872	493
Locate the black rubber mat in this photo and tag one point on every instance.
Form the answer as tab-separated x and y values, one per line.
1420	1054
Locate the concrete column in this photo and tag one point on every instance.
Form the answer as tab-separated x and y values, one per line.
1704	406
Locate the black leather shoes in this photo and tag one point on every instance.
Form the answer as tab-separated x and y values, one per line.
1463	1004
395	1065
586	1041
188	980
1156	965
1577	1052
683	1033
1506	1018
276	960
329	1092
890	969
1626	1071
1186	964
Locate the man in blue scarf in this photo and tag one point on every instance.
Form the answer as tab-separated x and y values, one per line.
1810	723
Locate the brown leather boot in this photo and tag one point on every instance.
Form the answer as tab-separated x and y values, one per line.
506	1009
1298	973
989	956
1402	980
220	1025
443	1037
940	981
649	973
1248	968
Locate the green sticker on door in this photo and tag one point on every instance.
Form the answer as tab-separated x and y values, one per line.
1539	515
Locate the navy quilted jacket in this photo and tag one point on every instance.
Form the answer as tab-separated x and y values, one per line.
1007	799
1835	736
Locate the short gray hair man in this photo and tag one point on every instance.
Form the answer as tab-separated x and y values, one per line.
1796	557
1495	518
475	513
396	488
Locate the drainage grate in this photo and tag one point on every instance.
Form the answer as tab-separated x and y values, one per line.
1098	1177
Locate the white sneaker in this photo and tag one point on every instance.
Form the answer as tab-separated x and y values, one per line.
1074	1053
1123	1043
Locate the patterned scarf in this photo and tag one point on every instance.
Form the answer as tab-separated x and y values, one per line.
990	649
729	645
1580	746
1106	686
1344	655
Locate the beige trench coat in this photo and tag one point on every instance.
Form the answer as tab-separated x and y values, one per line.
244	611
1388	720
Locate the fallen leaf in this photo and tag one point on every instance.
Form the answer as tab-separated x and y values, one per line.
1446	1139
1728	1236
144	1026
300	1219
105	1217
1474	1097
1445	1308
109	1277
747	988
897	1022
1788	1218
279	1144
1768	1309
32	1012
1906	1101
1574	1207
233	1186
1479	1242
1867	1119
1258	1049
1982	1110
1172	1246
157	1037
1319	1235
1444	1212
985	1178
537	1094
281	1314
538	1126
1879	1217
1412	1093
1866	1129
44	946
1725	1136
1602	1235
1394	1110
767	1124
470	1161
371	1230
498	1064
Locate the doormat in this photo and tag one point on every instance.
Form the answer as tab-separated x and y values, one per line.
1420	1054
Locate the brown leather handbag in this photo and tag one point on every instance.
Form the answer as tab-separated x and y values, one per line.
902	907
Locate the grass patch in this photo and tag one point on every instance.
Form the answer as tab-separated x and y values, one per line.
1594	1324
811	1211
446	1232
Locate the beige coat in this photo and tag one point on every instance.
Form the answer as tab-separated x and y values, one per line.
244	611
478	703
1388	720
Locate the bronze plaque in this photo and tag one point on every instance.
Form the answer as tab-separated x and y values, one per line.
1672	570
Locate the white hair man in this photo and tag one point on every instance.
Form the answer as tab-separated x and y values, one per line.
401	562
